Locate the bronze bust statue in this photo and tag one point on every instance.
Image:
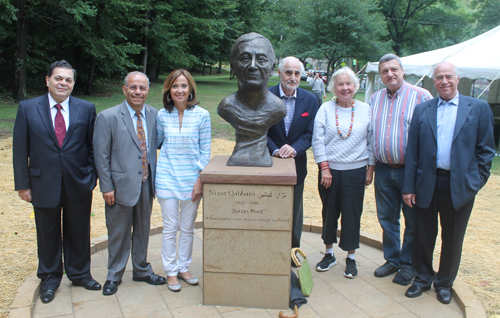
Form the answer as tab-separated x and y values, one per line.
252	110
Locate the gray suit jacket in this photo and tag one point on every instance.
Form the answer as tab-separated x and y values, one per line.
472	151
117	153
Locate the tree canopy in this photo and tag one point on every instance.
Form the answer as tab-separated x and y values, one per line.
104	39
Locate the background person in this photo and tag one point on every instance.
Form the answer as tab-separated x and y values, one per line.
450	151
54	170
392	112
125	146
318	87
184	132
342	148
291	137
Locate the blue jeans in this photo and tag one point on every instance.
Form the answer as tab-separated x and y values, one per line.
388	185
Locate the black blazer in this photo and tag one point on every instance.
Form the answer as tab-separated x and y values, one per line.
472	151
39	162
301	129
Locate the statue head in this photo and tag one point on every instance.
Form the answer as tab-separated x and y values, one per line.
252	60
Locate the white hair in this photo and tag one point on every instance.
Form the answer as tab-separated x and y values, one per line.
135	73
455	69
281	66
343	71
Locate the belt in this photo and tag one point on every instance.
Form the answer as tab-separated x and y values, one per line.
395	166
443	172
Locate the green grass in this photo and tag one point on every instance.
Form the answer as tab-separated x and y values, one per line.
495	167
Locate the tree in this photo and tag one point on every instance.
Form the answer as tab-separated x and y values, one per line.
335	29
419	25
487	14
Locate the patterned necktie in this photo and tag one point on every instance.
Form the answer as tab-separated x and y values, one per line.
59	126
144	149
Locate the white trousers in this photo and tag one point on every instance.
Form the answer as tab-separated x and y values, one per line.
175	219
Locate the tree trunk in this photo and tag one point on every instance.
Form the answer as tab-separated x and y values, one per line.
219	71
145	42
100	8
210	70
20	62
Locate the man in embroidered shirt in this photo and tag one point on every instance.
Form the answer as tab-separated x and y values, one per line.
392	112
291	137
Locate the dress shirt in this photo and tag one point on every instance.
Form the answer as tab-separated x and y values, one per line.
290	108
64	111
133	115
391	121
446	118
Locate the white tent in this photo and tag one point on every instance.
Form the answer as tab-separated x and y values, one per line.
476	58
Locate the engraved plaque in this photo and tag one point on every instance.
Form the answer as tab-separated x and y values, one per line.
248	207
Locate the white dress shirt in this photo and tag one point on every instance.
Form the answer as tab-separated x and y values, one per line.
64	111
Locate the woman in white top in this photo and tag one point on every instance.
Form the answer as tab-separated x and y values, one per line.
342	149
184	132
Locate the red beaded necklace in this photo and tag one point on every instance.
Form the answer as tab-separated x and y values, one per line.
337	119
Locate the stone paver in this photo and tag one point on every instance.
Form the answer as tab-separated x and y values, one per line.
332	296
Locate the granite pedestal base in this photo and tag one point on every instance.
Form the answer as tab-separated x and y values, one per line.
247	223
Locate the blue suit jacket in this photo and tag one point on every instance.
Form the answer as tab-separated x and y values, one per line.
301	129
472	151
39	162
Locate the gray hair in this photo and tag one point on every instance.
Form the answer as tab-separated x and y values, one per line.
135	73
389	57
455	69
281	66
343	71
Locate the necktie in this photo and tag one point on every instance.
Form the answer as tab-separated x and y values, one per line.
144	149
59	126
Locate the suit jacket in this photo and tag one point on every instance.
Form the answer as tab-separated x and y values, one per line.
39	162
118	156
472	151
300	132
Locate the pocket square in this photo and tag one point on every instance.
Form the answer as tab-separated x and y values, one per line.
305	114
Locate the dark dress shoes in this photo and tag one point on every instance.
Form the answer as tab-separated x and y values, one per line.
385	270
151	279
87	283
444	294
415	291
110	287
46	296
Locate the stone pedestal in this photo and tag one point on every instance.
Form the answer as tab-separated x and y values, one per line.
247	226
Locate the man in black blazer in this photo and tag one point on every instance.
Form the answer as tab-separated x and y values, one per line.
291	137
54	170
448	159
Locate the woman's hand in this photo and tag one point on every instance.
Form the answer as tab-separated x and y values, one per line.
326	178
369	175
197	190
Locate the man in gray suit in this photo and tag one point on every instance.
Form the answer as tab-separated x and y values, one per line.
448	159
125	140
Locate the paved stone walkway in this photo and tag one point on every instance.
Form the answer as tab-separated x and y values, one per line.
332	296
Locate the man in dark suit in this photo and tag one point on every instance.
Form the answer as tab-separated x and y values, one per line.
125	142
448	159
291	137
54	170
